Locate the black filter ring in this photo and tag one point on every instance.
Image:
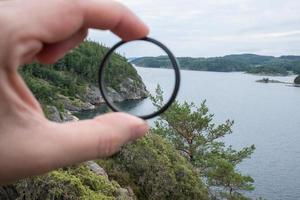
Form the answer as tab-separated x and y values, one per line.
175	66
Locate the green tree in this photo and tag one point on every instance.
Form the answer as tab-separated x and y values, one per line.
155	171
192	132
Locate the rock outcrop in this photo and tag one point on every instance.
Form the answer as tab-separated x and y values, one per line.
75	105
53	114
93	96
131	89
68	117
94	167
122	193
125	194
128	89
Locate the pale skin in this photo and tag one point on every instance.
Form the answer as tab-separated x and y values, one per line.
44	31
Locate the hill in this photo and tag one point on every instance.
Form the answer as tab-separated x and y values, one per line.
71	83
251	63
202	64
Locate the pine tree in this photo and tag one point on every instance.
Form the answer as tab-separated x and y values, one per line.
192	132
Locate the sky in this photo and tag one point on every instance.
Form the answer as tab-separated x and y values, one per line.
208	28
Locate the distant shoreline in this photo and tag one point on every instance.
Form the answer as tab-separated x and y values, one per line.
245	72
250	63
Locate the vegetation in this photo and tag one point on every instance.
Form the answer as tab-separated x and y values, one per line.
155	171
249	59
72	74
191	131
68	184
250	63
201	64
268	70
182	158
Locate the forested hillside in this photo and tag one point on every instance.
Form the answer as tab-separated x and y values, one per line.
250	63
71	83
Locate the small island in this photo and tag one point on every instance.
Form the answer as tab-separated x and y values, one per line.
296	82
267	80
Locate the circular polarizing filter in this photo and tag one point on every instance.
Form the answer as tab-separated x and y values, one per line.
139	77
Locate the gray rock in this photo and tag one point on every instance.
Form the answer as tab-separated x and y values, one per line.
68	104
125	194
88	106
121	193
94	167
130	89
114	95
54	114
75	105
93	96
68	117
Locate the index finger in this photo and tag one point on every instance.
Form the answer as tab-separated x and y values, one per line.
114	16
57	20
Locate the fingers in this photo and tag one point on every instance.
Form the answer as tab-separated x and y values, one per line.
57	20
90	139
53	52
48	146
107	14
57	25
25	95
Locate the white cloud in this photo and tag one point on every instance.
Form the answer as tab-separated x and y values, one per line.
290	35
219	27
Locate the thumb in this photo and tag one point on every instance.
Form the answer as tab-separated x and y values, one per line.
90	139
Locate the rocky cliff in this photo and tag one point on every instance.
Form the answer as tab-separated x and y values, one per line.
128	89
71	84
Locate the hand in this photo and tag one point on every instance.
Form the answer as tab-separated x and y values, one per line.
45	31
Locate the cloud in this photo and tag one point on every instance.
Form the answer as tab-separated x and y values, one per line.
219	27
294	35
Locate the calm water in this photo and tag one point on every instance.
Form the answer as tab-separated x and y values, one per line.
267	115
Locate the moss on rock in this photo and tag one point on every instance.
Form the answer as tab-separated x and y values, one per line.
74	183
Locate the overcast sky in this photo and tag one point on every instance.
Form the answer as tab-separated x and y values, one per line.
205	28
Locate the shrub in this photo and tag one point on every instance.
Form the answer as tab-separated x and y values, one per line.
69	184
155	171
